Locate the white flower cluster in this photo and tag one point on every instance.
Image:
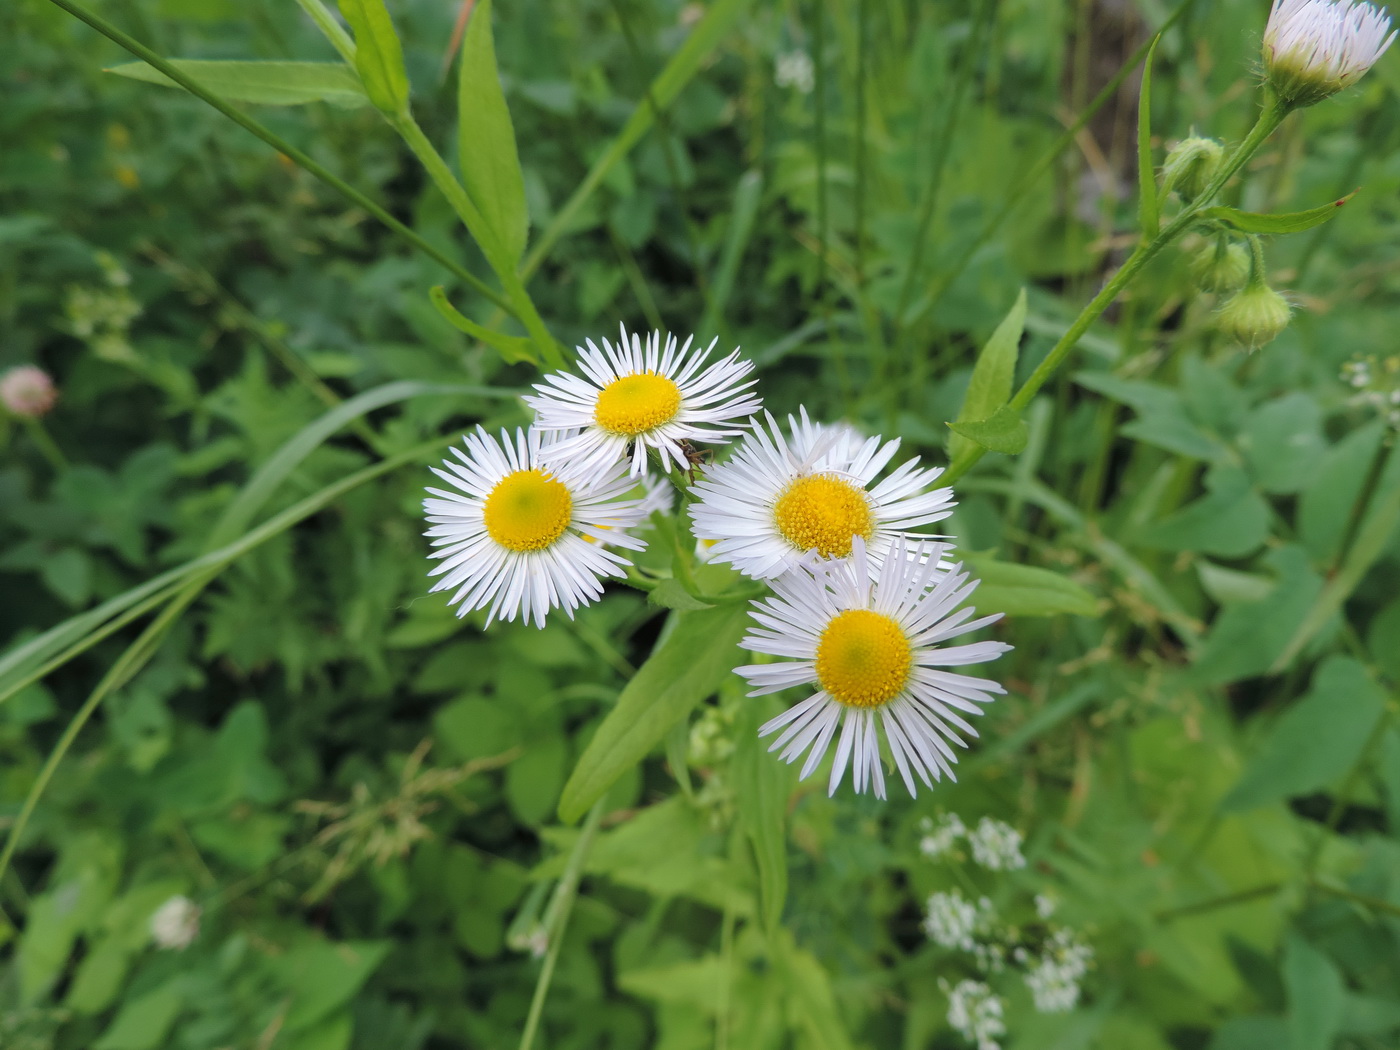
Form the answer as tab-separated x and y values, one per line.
975	1013
794	69
1376	381
1054	976
995	844
939	837
175	924
953	921
863	609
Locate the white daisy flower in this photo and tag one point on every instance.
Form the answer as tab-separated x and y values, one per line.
650	397
522	539
779	498
1315	48
872	647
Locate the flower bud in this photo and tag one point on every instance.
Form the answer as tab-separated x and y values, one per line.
27	391
1190	166
1254	316
1315	48
1221	268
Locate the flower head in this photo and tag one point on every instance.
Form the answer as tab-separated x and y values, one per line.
996	845
1315	48
975	1013
27	391
1190	166
522	539
650	397
872	647
779	499
1255	315
175	924
1054	978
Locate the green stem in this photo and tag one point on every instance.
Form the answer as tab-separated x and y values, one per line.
1239	897
556	919
40	436
472	219
333	30
280	144
1144	253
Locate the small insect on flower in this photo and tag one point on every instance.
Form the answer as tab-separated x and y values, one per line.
650	397
1315	48
522	539
873	646
781	498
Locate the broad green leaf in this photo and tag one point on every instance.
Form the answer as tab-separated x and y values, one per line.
1282	440
1024	590
264	83
811	997
762	786
512	348
671	594
1316	995
1231	520
990	386
1004	432
1282	222
533	780
1316	741
324	975
1148	209
486	139
1325	505
701	652
378	54
144	1022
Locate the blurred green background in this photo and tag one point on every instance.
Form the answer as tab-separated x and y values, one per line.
357	790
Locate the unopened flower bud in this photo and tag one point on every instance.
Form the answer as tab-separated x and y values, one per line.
1315	48
27	391
1254	316
1190	166
1218	268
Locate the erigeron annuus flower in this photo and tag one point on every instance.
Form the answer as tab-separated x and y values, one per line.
1315	48
872	647
518	538
780	498
646	397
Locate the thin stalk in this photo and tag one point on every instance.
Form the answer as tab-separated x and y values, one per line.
39	434
280	144
556	919
332	29
1225	901
1339	800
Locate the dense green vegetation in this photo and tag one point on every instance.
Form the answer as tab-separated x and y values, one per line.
282	798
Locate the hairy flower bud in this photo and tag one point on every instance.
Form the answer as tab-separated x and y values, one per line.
1190	166
1221	267
27	391
1315	48
1254	316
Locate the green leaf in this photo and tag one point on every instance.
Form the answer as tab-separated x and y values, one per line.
512	348
1148	214
1282	440
1282	222
1325	505
1231	520
263	83
144	1023
762	786
700	653
486	139
990	387
323	976
533	780
1004	432
671	594
1316	741
1316	995
1024	590
378	54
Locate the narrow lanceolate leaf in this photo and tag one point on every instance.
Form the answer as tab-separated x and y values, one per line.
700	653
1024	590
378	54
486	139
264	83
1282	222
989	390
762	789
1148	208
512	348
1004	432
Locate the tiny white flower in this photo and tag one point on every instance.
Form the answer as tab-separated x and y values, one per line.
951	920
794	69
1054	978
517	538
1315	48
650	397
780	498
872	647
1044	905
996	845
175	924
941	836
975	1013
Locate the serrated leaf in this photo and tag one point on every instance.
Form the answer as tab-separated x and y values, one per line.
1148	209
990	387
1024	590
378	54
512	348
486	139
261	83
1279	222
1004	432
701	652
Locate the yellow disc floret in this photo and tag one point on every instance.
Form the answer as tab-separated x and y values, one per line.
823	513
528	510
635	404
863	658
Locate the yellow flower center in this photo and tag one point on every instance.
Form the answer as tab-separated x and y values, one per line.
863	658
823	513
528	510
635	404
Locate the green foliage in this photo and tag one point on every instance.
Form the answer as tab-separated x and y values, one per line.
266	83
